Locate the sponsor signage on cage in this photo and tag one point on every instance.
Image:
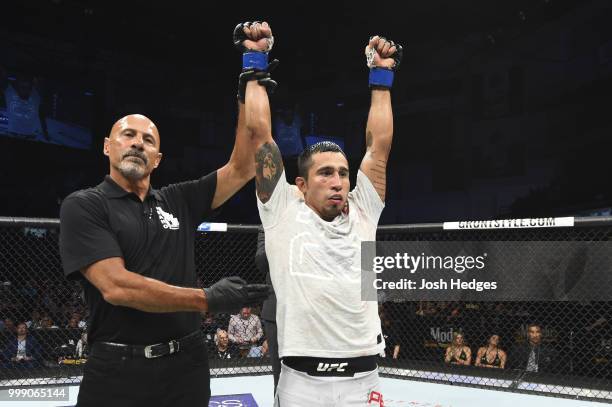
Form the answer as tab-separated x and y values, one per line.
510	223
212	227
233	400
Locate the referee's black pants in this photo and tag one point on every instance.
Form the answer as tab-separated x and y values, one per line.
176	380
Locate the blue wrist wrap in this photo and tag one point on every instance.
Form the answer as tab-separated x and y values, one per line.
254	60
381	77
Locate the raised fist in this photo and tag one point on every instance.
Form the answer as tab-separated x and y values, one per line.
383	53
253	36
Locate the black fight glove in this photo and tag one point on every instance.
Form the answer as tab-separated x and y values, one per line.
230	294
262	77
258	68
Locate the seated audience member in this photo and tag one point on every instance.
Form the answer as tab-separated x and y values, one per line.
76	321
244	330
457	352
47	323
533	355
427	309
73	323
8	326
35	319
82	348
491	355
7	331
259	351
392	347
209	327
453	312
223	348
22	350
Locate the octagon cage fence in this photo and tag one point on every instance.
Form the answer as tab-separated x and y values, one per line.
578	334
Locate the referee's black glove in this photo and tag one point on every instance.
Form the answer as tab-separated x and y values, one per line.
230	294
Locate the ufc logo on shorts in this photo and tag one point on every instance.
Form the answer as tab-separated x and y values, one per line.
376	398
330	367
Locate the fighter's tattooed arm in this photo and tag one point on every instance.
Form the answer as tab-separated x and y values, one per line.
374	165
268	170
379	135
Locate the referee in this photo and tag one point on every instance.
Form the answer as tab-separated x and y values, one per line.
132	247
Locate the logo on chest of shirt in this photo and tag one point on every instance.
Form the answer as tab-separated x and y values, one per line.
167	220
319	257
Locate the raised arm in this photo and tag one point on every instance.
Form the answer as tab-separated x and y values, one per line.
383	58
267	157
239	169
253	39
268	160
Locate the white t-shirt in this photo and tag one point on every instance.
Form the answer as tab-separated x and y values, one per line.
315	267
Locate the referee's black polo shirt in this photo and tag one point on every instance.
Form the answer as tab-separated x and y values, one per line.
155	238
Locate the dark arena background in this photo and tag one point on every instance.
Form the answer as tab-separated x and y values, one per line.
501	111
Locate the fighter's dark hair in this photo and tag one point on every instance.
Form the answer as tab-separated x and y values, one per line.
305	159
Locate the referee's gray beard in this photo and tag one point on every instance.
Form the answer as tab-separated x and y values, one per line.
131	171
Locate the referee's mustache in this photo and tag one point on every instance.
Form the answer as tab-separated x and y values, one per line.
135	153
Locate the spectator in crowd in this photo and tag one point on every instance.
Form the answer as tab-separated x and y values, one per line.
453	312
24	107
35	320
7	331
287	131
392	347
72	335
244	330
491	355
82	348
210	326
223	348
259	351
47	323
8	326
533	355
73	323
22	350
77	316
427	309
458	353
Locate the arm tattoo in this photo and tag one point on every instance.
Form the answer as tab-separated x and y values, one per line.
368	139
268	170
379	177
378	169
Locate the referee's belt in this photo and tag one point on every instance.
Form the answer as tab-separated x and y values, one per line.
111	349
314	366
